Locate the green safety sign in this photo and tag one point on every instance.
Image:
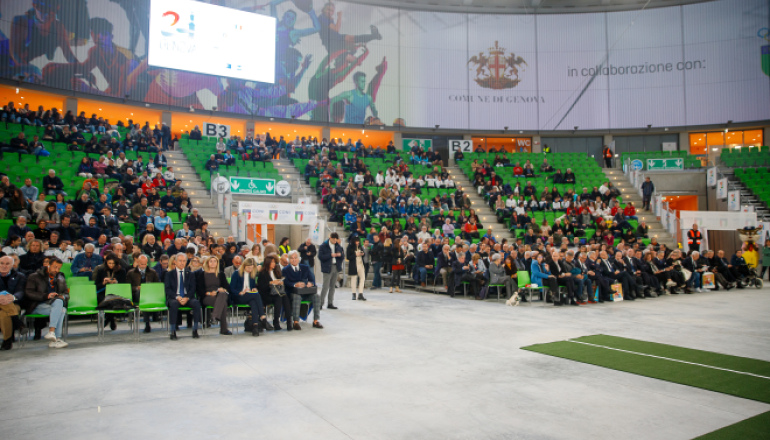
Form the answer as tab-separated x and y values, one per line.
246	185
407	144
665	164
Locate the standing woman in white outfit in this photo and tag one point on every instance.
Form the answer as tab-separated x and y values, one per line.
356	271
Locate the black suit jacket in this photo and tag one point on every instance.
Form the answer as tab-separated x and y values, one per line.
172	284
556	269
443	261
290	277
688	264
17	281
608	272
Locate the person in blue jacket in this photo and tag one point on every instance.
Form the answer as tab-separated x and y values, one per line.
543	277
84	264
401	209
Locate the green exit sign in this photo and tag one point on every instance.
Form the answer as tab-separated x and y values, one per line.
246	185
665	164
407	144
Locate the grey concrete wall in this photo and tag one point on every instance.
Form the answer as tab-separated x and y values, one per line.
651	142
71	105
685	182
283	231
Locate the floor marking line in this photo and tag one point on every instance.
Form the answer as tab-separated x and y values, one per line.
669	359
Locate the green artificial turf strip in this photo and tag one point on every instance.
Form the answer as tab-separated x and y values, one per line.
735	384
754	428
736	363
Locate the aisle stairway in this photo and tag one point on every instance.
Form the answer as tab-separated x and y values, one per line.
486	214
199	194
630	194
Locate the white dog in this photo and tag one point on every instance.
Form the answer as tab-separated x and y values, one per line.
513	301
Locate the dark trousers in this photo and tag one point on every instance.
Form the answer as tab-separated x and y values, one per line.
553	286
281	304
377	265
194	304
678	278
219	302
473	282
604	287
650	280
253	300
626	281
569	284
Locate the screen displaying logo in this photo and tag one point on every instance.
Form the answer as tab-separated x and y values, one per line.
172	28
496	70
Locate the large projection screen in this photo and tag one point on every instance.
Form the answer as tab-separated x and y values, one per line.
202	38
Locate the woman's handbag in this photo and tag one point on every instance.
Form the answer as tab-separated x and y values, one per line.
277	290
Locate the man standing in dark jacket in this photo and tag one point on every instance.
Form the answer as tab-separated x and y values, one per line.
180	289
376	255
444	267
307	253
647	189
12	284
331	255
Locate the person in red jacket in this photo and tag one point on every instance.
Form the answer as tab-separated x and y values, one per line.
630	212
518	170
147	185
470	230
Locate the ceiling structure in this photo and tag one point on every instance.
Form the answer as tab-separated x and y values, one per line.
527	6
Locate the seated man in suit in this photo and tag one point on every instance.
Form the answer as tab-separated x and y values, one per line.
616	274
180	292
297	276
461	272
136	277
423	263
230	270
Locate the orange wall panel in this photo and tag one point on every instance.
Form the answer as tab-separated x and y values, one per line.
375	138
33	98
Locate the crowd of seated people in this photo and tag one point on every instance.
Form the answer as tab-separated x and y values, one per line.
265	148
72	130
196	274
142	191
597	209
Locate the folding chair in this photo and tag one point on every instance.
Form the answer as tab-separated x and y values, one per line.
123	291
82	302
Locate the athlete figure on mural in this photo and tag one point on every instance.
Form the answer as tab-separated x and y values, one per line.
286	35
331	37
117	69
332	71
10	67
138	25
356	100
40	32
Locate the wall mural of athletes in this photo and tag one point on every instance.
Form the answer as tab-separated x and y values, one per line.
344	62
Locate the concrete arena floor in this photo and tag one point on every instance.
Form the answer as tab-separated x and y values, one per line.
399	366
